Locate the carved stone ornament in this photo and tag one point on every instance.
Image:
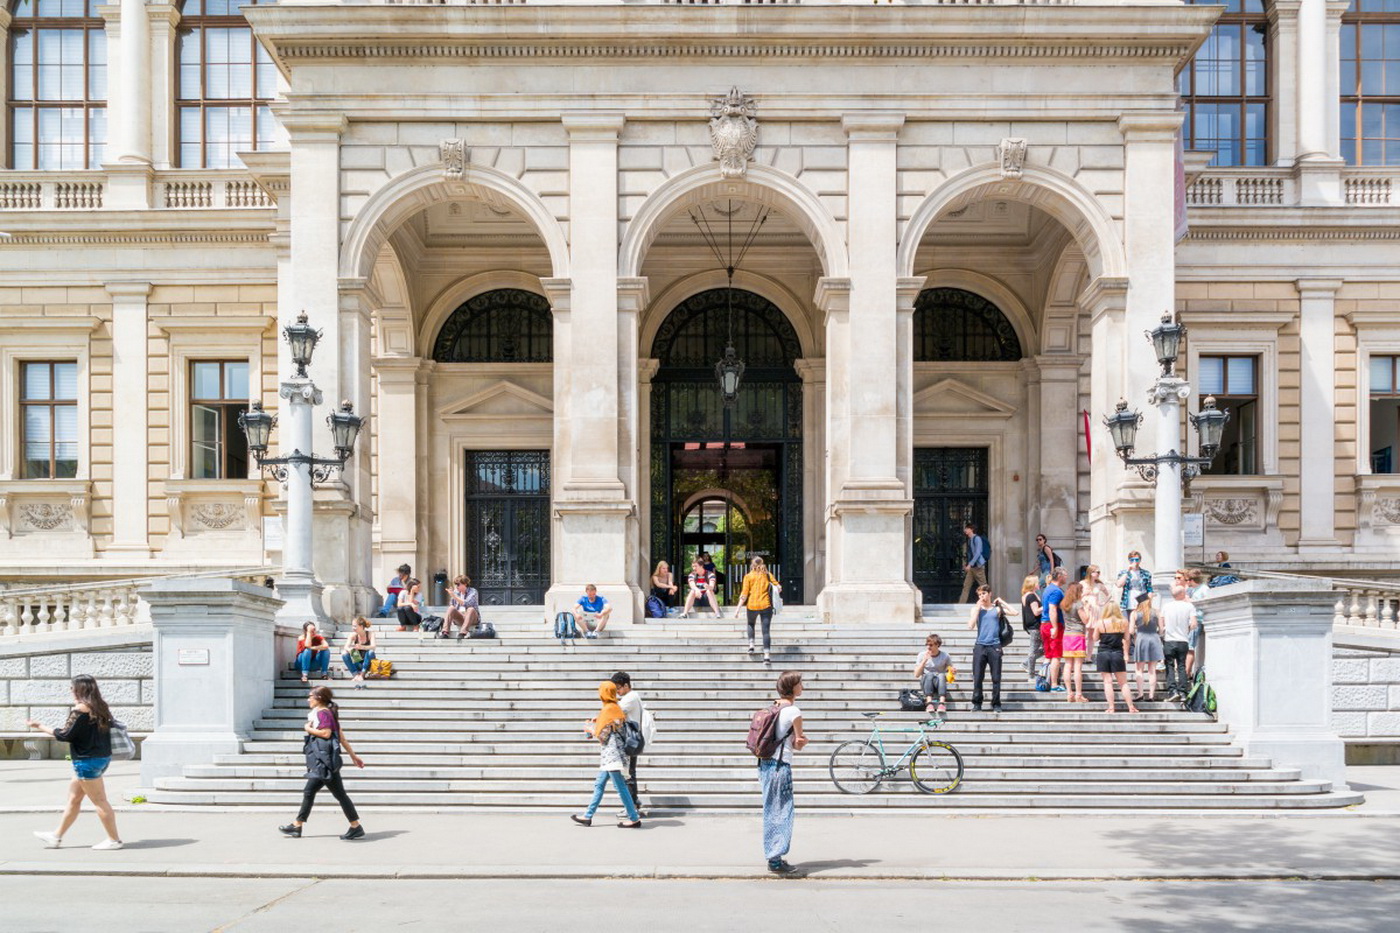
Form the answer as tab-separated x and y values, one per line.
217	514
1012	155
45	516
733	132
1231	511
454	157
1387	510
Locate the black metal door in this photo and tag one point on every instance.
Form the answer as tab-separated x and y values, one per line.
508	525
950	490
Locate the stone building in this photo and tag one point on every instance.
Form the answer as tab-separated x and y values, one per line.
932	233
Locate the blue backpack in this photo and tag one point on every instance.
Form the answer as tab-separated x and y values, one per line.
656	609
565	626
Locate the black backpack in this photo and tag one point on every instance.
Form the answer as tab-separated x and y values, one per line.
633	741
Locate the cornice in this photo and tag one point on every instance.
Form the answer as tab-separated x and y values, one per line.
1300	232
137	238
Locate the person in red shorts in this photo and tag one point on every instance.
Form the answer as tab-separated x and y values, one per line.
1052	625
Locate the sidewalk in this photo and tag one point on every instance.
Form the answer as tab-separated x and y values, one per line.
242	843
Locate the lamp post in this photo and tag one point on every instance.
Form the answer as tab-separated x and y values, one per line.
1171	471
300	470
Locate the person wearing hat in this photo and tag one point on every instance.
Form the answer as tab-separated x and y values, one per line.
1147	645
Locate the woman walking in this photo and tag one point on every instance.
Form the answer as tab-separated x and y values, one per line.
606	729
1147	650
1077	615
1046	561
88	733
1030	621
322	746
757	598
359	651
1115	635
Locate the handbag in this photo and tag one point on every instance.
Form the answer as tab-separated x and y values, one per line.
775	599
1007	632
123	749
912	700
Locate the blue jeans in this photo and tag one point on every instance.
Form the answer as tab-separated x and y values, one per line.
618	782
355	667
90	769
321	659
776	778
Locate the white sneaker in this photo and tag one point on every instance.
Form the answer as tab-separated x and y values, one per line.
50	840
108	845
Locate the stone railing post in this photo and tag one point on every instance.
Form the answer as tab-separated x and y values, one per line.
1269	658
215	663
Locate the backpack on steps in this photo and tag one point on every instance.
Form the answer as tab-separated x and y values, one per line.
484	630
763	738
1042	677
1201	697
565	626
656	609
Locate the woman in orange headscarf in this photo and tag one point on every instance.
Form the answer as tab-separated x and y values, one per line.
606	728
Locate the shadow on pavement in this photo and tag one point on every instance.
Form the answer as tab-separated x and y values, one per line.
159	843
812	868
383	834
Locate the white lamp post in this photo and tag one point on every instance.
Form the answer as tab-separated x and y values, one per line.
1169	471
300	470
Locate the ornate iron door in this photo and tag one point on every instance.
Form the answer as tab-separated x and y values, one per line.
508	525
950	489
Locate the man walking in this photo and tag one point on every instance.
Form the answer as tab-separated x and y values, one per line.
975	570
775	775
631	703
986	652
1178	619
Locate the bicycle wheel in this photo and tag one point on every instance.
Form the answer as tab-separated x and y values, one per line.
857	767
937	768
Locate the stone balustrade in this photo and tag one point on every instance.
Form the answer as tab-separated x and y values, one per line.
170	190
1368	607
1276	187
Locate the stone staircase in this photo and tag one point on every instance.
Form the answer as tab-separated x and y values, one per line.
499	724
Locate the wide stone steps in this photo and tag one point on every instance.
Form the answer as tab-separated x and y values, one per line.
499	724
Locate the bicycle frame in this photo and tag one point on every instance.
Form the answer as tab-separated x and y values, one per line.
909	752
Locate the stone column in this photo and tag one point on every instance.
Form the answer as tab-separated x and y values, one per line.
632	300
870	504
5	19
1271	667
396	427
164	20
1283	79
646	372
130	420
1317	484
1120	503
1057	484
814	472
906	293
215	666
1319	169
128	164
595	512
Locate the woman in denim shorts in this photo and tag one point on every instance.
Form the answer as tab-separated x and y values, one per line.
88	733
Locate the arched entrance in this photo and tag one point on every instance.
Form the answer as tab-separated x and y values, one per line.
727	479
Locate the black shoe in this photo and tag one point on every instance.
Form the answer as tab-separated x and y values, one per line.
625	824
582	820
781	867
977	707
996	707
291	829
354	832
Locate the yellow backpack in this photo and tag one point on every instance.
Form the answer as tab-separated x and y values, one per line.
378	668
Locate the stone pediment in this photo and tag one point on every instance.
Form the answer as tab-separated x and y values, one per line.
951	398
502	400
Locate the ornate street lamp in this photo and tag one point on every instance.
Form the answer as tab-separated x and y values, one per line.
729	371
1166	342
345	427
257	427
1123	427
1210	427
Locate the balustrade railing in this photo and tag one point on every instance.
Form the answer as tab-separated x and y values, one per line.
1360	603
80	607
173	190
1276	187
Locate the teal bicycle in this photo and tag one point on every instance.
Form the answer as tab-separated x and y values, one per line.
861	766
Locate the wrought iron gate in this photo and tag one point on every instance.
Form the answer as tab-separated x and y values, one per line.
508	525
950	490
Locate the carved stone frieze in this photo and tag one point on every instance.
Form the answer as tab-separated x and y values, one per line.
217	515
1386	511
454	157
1232	511
1011	153
46	516
733	132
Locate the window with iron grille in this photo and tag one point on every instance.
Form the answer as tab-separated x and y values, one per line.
49	419
1371	83
224	87
952	325
506	325
57	85
1225	88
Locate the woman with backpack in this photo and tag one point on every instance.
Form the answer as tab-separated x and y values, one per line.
322	746
757	598
606	729
775	771
359	651
88	733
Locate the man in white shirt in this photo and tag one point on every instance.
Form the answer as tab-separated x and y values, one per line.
631	703
1178	619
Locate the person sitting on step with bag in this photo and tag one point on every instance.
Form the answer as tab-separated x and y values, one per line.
463	608
933	670
359	651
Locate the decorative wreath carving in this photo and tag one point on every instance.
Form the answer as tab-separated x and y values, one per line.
45	516
1387	510
216	514
1232	511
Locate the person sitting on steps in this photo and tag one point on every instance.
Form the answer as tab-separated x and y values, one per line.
410	609
463	608
313	651
932	670
702	587
593	611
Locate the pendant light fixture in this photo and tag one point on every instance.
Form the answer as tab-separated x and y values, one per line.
729	371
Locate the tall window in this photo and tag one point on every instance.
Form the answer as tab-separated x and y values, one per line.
1371	83
49	420
218	394
1225	88
1233	380
226	83
58	85
1385	414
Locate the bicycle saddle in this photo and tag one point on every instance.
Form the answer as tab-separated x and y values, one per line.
871	715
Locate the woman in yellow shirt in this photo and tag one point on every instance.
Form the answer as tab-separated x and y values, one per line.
756	596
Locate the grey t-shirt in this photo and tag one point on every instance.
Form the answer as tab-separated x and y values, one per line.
938	663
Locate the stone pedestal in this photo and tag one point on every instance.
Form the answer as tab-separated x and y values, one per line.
215	651
1269	658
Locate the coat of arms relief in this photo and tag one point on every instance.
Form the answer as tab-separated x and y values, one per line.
733	132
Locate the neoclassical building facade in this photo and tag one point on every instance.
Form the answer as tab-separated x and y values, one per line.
933	235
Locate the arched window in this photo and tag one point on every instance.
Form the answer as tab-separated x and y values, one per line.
508	325
58	85
953	325
1371	83
1225	89
694	335
226	84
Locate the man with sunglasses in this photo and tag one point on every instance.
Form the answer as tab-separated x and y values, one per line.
1133	582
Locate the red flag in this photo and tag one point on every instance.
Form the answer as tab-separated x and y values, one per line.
1088	444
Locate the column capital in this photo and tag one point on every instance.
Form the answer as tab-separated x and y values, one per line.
872	126
312	126
1318	288
647	368
833	294
163	14
5	18
397	370
111	14
1104	295
1276	11
1150	125
128	290
907	289
812	371
633	294
1335	8
593	127
1058	367
559	292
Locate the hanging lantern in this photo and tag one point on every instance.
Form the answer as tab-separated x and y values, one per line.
729	371
345	427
